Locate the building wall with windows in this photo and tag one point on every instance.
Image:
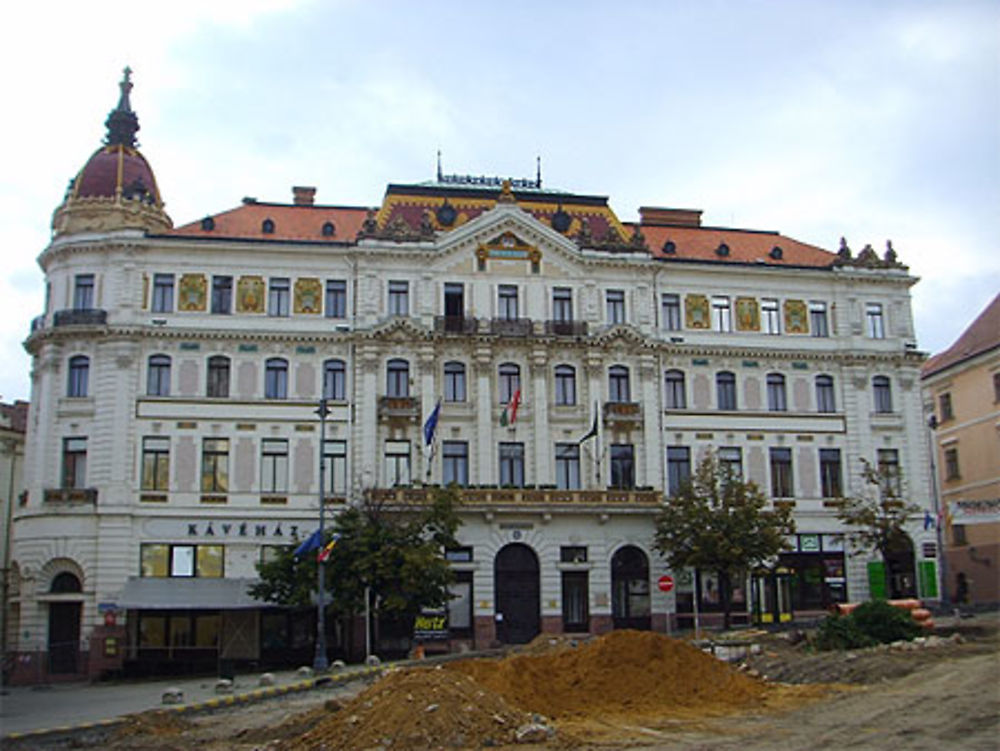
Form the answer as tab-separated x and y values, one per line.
176	373
961	389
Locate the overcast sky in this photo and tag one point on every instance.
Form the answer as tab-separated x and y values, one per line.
869	120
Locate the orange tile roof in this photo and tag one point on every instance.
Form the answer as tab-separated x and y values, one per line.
745	246
983	334
291	222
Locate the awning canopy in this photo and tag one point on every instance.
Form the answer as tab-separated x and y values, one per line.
156	593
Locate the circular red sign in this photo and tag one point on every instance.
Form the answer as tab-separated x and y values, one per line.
665	583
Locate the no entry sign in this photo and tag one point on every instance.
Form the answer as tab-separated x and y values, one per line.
665	583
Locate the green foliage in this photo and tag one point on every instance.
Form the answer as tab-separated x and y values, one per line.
398	553
719	522
876	520
871	623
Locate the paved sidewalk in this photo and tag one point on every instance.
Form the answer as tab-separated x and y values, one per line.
30	709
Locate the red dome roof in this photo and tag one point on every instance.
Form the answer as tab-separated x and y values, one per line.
116	170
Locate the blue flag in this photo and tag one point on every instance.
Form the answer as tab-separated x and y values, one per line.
430	426
312	542
928	520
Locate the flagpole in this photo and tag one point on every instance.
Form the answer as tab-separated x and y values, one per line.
320	661
597	442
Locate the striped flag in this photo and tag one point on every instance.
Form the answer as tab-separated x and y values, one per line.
325	552
509	414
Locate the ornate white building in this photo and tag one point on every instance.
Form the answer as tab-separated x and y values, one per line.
176	373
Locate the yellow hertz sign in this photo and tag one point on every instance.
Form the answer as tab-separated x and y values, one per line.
430	626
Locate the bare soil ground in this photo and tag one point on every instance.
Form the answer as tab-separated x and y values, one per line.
628	690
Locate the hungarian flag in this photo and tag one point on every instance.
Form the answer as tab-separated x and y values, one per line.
325	552
509	414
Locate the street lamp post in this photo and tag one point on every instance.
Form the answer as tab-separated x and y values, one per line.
939	518
320	661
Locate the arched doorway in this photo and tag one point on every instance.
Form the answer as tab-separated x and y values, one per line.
64	625
518	594
630	606
900	567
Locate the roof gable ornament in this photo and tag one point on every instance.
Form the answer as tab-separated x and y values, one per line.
506	194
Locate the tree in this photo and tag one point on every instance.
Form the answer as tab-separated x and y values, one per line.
876	519
396	555
719	522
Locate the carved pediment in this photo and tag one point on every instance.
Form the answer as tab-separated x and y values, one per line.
402	330
621	335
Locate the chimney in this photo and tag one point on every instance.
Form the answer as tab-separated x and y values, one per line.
303	196
653	216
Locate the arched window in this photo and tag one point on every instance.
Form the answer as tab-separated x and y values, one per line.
565	385
267	227
335	380
725	390
158	376
510	381
618	385
676	394
64	583
776	398
276	378
882	391
397	378
217	386
454	381
825	400
79	373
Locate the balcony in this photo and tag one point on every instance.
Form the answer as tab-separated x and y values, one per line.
456	325
70	495
566	328
525	497
404	408
85	317
520	327
37	323
623	415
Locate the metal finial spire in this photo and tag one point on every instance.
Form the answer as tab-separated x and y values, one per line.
122	123
439	165
538	171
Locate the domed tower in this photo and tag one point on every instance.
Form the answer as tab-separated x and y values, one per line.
116	188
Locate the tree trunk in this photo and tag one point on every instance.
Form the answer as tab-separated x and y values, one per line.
724	593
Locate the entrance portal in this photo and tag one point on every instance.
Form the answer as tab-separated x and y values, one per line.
64	626
518	606
630	588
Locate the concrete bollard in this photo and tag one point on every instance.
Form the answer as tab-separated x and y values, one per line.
223	686
266	679
173	695
304	672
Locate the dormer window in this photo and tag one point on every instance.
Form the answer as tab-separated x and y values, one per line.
722	251
670	247
208	224
777	253
267	227
328	229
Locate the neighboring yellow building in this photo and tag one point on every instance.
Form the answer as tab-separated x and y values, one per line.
962	392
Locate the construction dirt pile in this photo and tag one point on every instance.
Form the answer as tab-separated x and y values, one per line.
475	703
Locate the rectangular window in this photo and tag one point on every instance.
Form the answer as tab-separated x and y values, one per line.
825	401
565	377
725	390
83	292
507	302
573	554
215	465
155	463
397	463
562	304
830	473
882	392
399	298
461	554
222	295
217	385
622	465
512	465
74	463
670	307
182	560
678	468
615	300
996	387
454	306
274	466
454	382
889	473
722	314
335	467
336	298
769	318
818	325
776	400
279	295
158	376
951	464
154	560
958	536
455	462
675	395
79	375
731	460
575	602
460	604
162	560
163	293
568	466
276	379
873	315
946	412
782	485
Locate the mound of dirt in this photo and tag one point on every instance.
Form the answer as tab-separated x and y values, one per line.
419	708
624	672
